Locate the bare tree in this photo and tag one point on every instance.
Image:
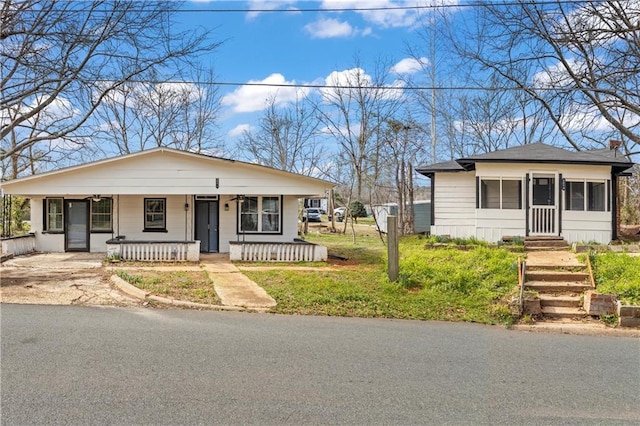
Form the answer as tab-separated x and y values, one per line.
59	60
352	110
138	116
404	145
285	139
585	59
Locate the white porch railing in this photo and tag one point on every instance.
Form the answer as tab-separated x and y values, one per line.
543	220
154	251
22	244
295	251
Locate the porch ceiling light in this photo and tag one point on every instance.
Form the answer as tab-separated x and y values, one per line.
96	197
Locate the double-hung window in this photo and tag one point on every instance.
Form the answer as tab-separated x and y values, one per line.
155	214
500	193
54	216
101	211
260	215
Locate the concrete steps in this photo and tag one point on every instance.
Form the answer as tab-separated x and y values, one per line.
560	301
556	279
563	312
558	276
557	286
552	243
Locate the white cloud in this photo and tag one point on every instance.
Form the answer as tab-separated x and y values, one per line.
409	65
239	130
332	28
254	98
328	28
384	16
556	75
357	77
256	6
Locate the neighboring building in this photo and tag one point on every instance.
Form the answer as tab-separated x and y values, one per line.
421	215
321	203
529	190
163	195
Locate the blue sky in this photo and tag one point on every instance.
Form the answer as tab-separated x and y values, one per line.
296	47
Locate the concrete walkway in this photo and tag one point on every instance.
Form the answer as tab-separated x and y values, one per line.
232	286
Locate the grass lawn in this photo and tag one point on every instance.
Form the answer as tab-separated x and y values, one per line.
619	274
194	286
442	284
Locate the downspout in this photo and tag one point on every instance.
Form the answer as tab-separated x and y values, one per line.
118	221
432	220
615	217
186	216
526	209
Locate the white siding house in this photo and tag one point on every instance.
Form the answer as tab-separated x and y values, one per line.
529	190
164	196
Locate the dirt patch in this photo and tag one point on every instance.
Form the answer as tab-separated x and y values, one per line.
630	232
59	279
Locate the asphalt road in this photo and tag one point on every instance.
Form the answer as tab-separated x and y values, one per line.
84	365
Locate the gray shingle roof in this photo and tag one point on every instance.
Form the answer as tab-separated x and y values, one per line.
445	166
536	153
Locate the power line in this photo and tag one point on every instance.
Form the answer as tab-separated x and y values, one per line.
354	87
416	7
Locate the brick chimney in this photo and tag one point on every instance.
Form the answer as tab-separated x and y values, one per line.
614	144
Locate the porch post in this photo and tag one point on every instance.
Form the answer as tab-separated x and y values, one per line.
526	204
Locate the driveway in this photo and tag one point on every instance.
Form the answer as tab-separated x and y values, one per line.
59	279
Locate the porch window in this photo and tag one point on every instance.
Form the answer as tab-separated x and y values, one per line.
585	195
54	215
101	212
596	193
501	193
574	196
155	218
260	215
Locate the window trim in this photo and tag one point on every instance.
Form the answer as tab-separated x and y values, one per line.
586	196
164	215
480	197
260	198
45	222
101	231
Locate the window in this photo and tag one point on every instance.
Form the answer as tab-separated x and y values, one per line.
501	194
101	215
270	214
155	215
249	215
585	195
490	190
512	194
54	219
596	196
574	196
260	214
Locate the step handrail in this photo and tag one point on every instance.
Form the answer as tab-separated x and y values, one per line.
522	269
593	281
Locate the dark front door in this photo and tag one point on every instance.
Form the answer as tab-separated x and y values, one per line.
207	225
76	234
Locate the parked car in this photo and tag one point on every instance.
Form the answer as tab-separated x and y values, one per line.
339	213
311	215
